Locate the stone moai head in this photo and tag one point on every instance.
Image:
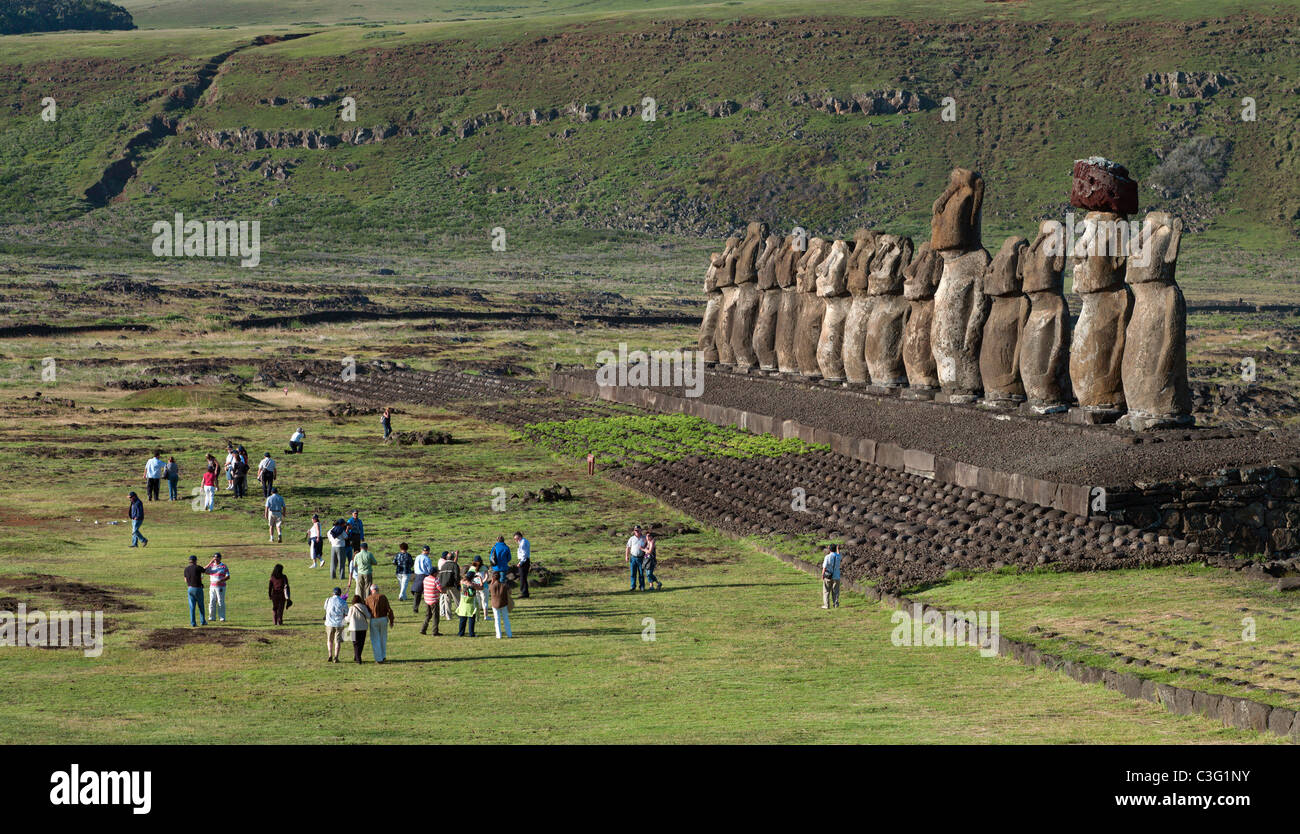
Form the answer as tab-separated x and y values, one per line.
1153	254
955	223
1043	264
1098	257
1004	275
787	262
921	277
766	265
727	275
716	262
747	255
893	254
864	249
832	272
806	275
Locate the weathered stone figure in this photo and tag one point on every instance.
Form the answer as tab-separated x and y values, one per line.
727	284
855	325
713	306
889	310
832	286
769	303
1154	369
1045	343
1097	348
811	309
1008	310
787	316
960	306
746	309
920	280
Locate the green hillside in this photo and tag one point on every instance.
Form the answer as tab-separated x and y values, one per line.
745	124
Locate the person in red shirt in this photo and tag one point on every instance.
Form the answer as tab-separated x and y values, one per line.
209	488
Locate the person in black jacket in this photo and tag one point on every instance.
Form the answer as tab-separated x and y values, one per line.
194	588
240	471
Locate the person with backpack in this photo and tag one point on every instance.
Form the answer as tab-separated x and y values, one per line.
240	470
405	565
340	555
449	578
358	621
336	617
831	577
266	474
650	558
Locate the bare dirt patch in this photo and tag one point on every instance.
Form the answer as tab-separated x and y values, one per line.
73	594
162	639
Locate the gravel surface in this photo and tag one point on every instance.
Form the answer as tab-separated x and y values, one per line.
1043	447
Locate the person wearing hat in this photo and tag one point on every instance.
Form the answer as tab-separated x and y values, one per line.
449	578
295	441
136	513
423	568
194	589
336	612
275	512
315	544
632	554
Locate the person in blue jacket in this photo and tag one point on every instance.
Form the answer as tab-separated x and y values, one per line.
500	558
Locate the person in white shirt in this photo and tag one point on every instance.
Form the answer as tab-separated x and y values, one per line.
153	473
831	577
231	457
315	543
423	567
336	611
266	474
524	553
295	441
632	555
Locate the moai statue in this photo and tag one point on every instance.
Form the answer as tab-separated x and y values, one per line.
960	306
1104	190
811	308
855	325
730	295
1045	339
888	317
713	307
769	303
920	280
1008	309
746	310
787	315
1154	369
1097	346
832	286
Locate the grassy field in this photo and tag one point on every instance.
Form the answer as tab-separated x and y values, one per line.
741	652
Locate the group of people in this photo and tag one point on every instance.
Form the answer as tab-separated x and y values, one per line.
642	557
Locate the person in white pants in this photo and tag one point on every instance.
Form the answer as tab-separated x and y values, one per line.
381	617
500	592
218	575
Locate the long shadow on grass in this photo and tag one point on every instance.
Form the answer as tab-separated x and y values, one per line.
469	657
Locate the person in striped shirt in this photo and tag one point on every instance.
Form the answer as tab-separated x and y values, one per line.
218	575
432	590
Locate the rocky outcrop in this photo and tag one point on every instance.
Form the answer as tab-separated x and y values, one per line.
1186	84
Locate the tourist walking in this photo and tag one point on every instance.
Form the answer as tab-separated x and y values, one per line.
209	488
194	590
650	560
231	457
340	556
381	617
356	531
500	592
278	590
218	576
423	568
500	557
315	543
358	624
136	513
240	470
467	608
153	474
524	555
831	577
275	513
387	422
632	554
266	474
431	590
295	441
172	472
336	612
363	564
405	564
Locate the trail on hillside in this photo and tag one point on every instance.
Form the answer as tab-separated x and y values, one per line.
119	172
